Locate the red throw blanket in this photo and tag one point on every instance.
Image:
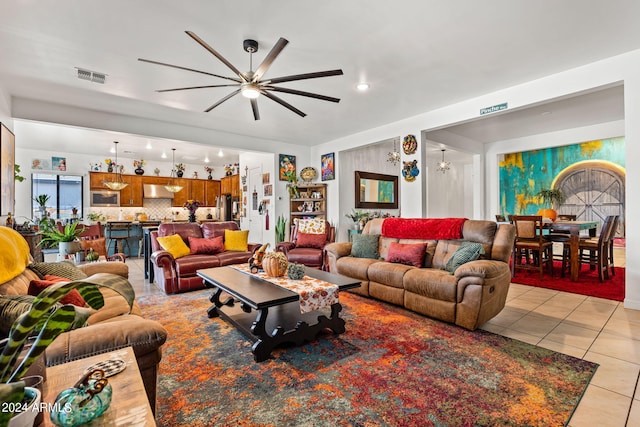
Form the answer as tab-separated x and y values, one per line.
423	228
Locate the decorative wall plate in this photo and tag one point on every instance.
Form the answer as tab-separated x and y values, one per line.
308	174
409	144
410	170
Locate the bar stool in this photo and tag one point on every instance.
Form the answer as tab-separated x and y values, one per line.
118	233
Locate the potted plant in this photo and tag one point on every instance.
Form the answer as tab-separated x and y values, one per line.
358	218
66	239
551	198
281	227
50	320
42	200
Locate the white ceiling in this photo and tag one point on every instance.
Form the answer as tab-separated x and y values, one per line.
417	55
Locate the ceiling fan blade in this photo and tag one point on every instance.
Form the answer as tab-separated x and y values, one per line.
301	93
283	103
306	76
235	92
193	87
273	54
216	54
254	107
189	69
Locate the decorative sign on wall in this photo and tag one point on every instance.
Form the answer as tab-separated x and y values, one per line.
493	108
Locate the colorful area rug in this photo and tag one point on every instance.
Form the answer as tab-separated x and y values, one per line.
587	284
391	368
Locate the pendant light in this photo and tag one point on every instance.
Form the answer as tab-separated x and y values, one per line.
116	183
172	186
443	166
394	156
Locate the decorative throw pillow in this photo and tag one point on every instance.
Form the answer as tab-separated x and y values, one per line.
468	251
309	240
407	253
365	246
174	245
73	297
12	307
61	269
99	246
236	240
201	245
312	226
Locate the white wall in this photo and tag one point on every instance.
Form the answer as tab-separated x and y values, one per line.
370	158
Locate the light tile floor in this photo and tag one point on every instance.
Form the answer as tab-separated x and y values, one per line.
594	329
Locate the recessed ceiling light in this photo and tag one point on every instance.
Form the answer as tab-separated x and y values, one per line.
164	155
220	154
149	147
206	159
362	86
545	113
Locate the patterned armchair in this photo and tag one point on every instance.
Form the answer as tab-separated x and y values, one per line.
307	242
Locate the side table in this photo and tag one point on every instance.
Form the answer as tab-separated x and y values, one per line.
352	232
129	404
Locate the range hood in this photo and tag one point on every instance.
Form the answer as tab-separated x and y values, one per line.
154	191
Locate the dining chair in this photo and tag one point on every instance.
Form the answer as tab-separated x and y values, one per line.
501	218
531	244
92	238
596	251
118	233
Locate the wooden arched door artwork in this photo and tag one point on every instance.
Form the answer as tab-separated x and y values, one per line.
594	190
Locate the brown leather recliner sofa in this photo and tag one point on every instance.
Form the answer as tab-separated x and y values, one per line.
179	275
474	293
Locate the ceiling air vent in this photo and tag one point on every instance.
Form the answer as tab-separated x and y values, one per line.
91	76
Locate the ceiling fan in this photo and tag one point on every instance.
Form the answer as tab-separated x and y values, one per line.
251	84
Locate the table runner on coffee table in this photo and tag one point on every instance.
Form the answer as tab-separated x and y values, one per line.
314	293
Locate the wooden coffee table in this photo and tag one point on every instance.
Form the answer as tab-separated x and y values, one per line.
268	314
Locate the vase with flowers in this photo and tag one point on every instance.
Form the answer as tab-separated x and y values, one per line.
110	164
180	167
138	164
192	206
209	169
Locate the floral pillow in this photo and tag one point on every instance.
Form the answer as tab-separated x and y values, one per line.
312	226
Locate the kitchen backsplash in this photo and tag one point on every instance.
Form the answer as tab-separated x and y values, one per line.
156	209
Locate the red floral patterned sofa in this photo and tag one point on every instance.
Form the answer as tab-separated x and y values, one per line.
174	275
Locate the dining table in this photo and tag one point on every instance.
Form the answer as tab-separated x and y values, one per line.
573	228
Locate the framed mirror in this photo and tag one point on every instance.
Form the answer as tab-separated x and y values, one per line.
376	191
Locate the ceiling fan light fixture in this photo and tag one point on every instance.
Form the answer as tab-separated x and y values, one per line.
362	86
250	90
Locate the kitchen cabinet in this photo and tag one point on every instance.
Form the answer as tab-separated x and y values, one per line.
131	195
204	190
212	192
183	195
197	191
230	185
96	180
